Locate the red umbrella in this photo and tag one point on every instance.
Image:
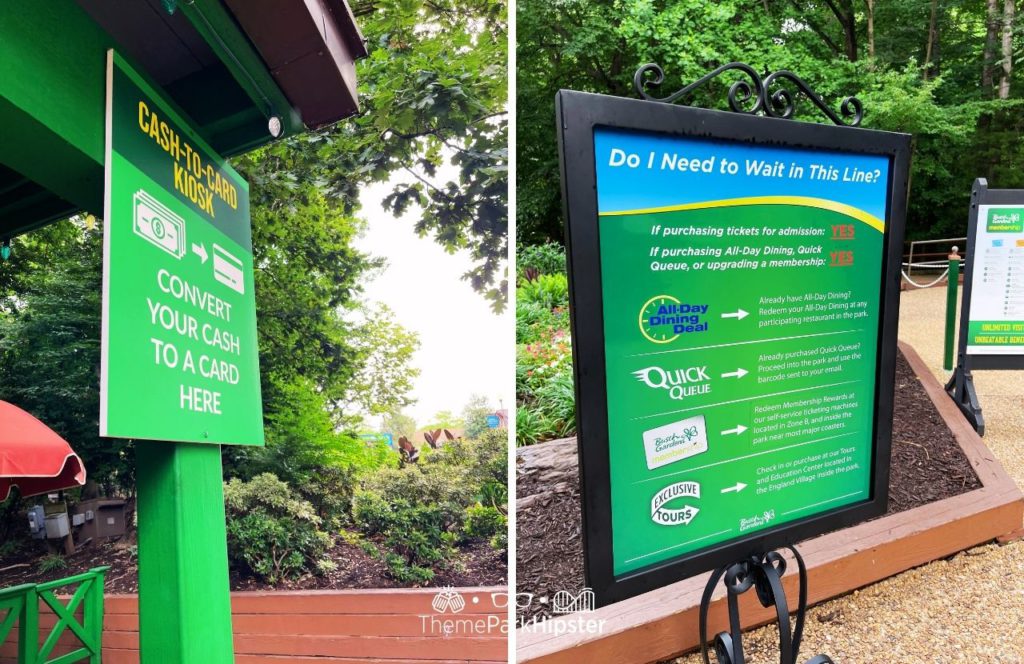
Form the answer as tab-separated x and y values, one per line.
33	456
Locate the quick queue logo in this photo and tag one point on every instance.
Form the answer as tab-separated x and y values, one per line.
677	514
680	383
664	318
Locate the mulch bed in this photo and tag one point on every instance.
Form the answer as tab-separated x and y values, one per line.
477	564
927	465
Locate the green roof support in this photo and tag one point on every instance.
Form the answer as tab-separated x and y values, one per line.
218	28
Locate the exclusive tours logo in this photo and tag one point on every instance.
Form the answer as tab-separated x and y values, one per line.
663	515
456	614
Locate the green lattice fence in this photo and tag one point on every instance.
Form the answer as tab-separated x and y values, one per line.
20	606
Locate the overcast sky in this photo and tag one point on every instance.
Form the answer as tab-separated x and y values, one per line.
465	349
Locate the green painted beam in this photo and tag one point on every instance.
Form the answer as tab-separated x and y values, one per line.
52	97
184	600
216	25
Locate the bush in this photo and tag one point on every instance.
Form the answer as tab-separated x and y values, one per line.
500	541
53	562
484	521
548	290
272	534
548	258
416	536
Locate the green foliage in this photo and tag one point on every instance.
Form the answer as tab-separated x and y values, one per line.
933	81
398	424
50	344
433	95
417	513
272	533
536	259
500	541
51	562
550	291
484	521
474	416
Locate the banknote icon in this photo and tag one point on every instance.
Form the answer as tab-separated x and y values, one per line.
158	225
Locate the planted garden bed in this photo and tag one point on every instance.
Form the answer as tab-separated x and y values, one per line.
947	493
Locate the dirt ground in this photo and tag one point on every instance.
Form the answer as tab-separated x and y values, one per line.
927	465
477	564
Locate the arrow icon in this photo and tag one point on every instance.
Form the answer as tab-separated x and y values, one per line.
738	430
200	250
739	314
740	486
739	373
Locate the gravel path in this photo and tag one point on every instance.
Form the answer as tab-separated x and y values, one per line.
969	608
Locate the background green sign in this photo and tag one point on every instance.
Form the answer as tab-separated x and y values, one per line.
740	295
180	358
996	324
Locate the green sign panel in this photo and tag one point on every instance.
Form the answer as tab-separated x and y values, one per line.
179	359
733	331
741	311
996	322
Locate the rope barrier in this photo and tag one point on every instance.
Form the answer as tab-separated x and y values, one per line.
928	285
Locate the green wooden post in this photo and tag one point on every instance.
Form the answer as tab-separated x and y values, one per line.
184	593
952	284
28	629
92	613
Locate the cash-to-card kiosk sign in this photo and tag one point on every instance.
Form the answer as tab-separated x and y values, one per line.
734	290
179	355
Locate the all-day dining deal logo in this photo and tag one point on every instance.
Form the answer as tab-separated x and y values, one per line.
663	318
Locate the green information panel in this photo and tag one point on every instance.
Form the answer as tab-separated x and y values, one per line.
740	335
179	358
996	324
734	297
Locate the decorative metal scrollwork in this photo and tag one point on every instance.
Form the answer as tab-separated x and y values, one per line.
778	104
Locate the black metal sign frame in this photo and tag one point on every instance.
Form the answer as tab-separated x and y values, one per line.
578	114
961	384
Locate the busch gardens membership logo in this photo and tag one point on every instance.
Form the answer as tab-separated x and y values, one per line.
663	318
664	515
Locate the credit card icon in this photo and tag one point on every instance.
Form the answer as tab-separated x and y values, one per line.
227	269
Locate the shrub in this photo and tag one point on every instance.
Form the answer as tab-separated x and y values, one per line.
416	536
532	426
500	541
272	534
52	562
484	521
548	290
539	259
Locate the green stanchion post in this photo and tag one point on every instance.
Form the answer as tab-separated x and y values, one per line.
184	592
952	284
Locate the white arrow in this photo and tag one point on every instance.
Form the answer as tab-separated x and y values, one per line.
739	373
739	314
200	250
738	430
740	486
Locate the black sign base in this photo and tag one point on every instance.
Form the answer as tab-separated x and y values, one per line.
764	574
961	388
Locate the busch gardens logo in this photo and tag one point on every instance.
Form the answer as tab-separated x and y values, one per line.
674	516
663	318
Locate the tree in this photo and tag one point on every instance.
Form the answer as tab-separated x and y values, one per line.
50	345
475	415
398	424
923	78
445	419
433	92
384	354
